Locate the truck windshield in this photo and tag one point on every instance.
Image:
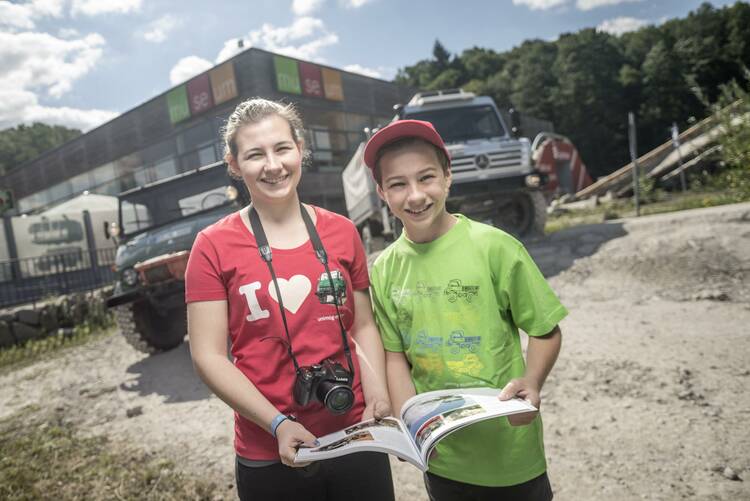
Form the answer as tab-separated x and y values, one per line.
456	125
163	203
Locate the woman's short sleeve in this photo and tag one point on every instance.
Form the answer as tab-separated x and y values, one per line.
358	272
203	278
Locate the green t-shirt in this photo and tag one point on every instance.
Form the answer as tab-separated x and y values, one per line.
454	306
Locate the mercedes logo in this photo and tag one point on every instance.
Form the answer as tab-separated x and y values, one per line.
482	161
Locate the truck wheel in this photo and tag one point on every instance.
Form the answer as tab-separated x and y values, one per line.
524	215
148	331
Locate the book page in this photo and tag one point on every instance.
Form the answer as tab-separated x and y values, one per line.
430	416
384	435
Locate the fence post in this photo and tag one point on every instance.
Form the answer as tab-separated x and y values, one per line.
91	245
12	249
676	144
634	159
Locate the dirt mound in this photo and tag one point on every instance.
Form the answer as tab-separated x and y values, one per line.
672	257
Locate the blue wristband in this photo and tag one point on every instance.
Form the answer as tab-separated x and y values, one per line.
280	418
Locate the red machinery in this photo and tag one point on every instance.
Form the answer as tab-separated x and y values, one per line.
555	156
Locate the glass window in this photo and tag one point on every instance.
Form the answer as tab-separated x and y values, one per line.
103	174
321	139
134	217
128	164
80	183
164	169
158	152
110	188
355	121
203	201
197	136
60	191
207	155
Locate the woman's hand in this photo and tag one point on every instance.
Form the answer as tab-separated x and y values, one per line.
291	435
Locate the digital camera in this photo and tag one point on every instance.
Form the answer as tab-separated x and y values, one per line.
328	383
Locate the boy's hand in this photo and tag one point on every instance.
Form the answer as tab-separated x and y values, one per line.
527	390
291	435
377	408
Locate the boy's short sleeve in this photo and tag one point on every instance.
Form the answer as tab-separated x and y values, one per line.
534	306
203	281
384	312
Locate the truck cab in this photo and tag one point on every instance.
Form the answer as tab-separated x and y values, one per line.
481	145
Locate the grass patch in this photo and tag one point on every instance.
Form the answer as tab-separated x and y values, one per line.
45	458
659	202
34	350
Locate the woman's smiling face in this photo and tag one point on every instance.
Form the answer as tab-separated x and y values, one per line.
268	159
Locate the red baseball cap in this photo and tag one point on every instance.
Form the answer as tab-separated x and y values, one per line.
400	129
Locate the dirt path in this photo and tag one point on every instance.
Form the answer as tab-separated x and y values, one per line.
649	399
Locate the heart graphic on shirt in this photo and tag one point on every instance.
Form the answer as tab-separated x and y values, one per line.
293	291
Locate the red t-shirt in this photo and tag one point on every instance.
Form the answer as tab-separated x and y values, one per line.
225	264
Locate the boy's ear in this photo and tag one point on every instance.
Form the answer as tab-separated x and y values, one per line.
448	180
380	192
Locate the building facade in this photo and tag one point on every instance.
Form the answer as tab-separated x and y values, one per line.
179	130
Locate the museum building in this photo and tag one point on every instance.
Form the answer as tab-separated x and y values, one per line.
179	130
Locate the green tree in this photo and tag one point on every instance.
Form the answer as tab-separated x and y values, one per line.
589	107
26	142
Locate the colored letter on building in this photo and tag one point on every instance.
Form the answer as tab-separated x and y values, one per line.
223	83
332	84
177	103
199	95
287	75
312	81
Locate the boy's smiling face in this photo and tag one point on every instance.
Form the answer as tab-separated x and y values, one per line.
415	187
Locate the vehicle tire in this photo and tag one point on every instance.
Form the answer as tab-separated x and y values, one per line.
524	214
148	331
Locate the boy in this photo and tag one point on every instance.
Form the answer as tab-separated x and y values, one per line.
449	296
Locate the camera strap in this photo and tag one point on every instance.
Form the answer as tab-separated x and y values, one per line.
266	254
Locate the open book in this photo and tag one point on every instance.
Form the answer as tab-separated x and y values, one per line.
425	419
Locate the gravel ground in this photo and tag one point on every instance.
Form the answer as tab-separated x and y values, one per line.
647	401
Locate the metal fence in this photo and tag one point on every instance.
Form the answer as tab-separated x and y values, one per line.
28	280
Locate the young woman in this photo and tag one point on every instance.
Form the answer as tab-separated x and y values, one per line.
306	358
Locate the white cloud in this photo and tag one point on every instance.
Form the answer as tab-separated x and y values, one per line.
593	4
15	15
620	25
158	31
355	4
305	7
42	61
75	118
188	67
303	39
362	70
231	47
96	7
68	33
539	4
39	63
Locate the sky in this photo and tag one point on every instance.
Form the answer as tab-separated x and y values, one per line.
80	63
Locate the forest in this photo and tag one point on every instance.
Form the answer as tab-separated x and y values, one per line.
587	82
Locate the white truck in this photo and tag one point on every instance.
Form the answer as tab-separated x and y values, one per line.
494	177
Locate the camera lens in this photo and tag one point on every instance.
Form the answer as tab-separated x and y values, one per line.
336	397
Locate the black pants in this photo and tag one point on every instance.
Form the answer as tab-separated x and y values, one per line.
443	489
364	476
